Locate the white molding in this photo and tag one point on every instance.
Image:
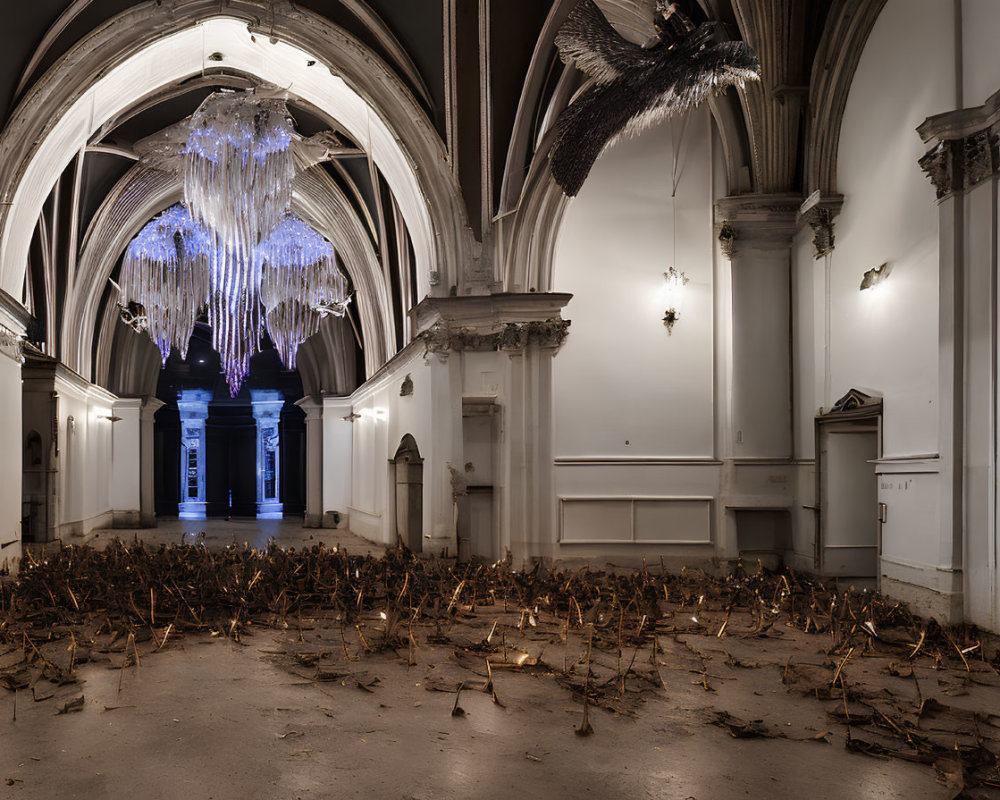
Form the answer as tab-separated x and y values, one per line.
631	500
626	461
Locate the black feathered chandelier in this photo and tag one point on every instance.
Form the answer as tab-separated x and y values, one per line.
634	87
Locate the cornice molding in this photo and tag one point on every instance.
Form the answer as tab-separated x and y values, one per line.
756	219
505	321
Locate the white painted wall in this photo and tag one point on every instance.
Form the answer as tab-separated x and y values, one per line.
84	462
385	418
980	67
338	456
11	443
886	340
620	377
125	476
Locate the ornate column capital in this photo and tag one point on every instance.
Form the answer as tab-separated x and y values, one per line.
965	147
818	212
508	322
761	220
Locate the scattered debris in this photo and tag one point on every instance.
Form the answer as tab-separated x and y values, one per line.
883	673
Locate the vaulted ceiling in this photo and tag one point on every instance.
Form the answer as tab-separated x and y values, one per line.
485	77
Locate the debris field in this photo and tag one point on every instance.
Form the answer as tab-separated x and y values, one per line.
892	685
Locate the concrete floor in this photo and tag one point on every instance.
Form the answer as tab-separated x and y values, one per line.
209	718
220	533
206	717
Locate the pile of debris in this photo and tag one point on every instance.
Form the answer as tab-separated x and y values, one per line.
616	631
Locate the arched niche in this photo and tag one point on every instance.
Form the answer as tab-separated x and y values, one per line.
409	483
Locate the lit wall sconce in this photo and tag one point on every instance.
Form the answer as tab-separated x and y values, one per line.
874	277
673	295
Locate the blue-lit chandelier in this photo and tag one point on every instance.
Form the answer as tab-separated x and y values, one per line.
234	244
165	270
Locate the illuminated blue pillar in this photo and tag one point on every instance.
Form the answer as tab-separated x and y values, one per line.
267	405
193	407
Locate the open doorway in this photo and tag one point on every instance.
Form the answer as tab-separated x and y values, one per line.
848	442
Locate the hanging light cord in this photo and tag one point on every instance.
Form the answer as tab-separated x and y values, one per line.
675	177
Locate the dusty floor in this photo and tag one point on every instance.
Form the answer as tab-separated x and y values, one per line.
219	533
711	701
208	718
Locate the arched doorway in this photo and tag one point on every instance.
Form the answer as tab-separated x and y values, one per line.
409	470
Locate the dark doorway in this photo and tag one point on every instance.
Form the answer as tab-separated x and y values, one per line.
230	461
230	432
409	469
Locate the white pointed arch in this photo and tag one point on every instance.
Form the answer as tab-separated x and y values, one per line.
153	45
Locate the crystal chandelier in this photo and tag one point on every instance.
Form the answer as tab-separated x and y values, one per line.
299	277
165	270
234	245
238	167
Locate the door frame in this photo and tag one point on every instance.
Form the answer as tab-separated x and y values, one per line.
862	413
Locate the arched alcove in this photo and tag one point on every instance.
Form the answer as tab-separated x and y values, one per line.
409	489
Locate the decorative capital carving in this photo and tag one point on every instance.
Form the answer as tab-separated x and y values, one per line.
939	164
11	344
727	239
957	165
819	212
442	338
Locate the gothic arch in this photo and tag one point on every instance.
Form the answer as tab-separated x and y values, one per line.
113	67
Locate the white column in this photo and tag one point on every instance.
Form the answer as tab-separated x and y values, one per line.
313	408
338	456
147	462
444	450
125	490
267	404
193	407
11	437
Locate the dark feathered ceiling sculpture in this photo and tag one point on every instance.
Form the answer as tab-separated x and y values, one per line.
635	87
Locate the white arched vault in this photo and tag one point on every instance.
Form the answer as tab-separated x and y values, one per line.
158	44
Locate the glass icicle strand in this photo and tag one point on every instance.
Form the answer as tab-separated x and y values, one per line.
234	308
299	275
165	270
238	166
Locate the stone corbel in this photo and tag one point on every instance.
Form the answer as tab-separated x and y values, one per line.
14	319
12	344
965	147
819	212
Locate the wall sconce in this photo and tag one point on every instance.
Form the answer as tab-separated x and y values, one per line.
874	277
351	417
675	281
